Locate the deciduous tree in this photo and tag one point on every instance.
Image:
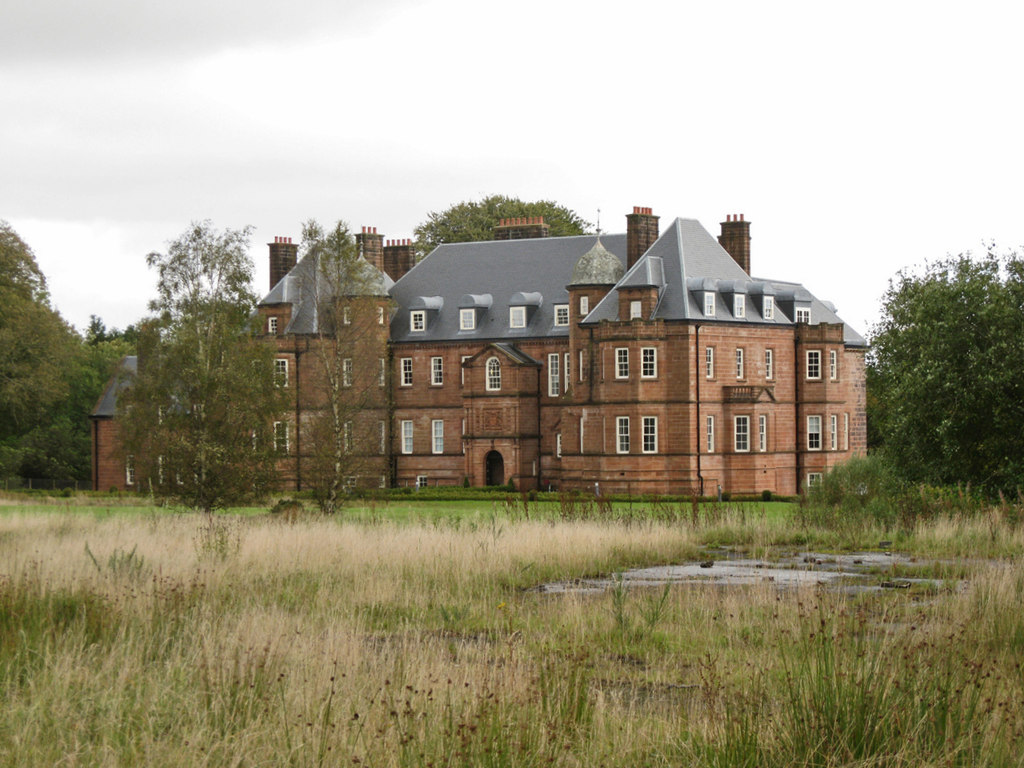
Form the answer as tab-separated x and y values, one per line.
945	374
475	220
197	418
347	431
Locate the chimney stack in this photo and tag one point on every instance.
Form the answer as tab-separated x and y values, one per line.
371	246
283	254
735	238
399	257
521	228
641	232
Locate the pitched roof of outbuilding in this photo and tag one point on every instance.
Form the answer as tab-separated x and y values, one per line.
106	406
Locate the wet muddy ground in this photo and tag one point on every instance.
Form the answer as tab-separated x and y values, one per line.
855	572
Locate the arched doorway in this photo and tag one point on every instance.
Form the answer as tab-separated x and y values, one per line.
495	468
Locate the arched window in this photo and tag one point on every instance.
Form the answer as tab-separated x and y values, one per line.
493	374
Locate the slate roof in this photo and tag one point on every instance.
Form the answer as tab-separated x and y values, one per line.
302	283
107	404
686	261
502	269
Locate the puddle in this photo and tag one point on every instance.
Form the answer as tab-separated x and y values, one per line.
857	572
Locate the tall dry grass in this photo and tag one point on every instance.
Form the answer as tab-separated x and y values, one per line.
181	640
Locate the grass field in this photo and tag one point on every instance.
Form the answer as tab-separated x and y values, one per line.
412	635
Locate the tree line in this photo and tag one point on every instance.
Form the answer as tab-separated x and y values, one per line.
50	376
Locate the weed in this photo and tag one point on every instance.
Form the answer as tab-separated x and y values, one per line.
120	564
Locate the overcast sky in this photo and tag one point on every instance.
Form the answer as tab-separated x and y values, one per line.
859	138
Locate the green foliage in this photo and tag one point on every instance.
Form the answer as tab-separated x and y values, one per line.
471	221
49	379
946	392
197	418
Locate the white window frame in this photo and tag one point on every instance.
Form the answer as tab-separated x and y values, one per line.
622	434
709	362
636	309
833	364
769	308
281	371
741	434
769	364
517	317
406	367
622	363
346	372
709	304
833	432
383	434
561	314
813	365
493	378
436	371
739	305
272	325
418	320
802	314
422	481
437	435
709	433
813	479
346	315
814	433
129	470
739	363
584	306
467	319
649	434
554	376
282	438
382	376
648	362
762	433
565	371
380	315
558	445
407	434
846	431
462	369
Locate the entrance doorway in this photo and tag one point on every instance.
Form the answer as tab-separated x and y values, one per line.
495	468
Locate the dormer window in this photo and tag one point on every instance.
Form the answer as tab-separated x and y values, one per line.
803	315
636	310
709	304
561	314
418	320
769	308
467	319
272	325
517	317
739	305
584	306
